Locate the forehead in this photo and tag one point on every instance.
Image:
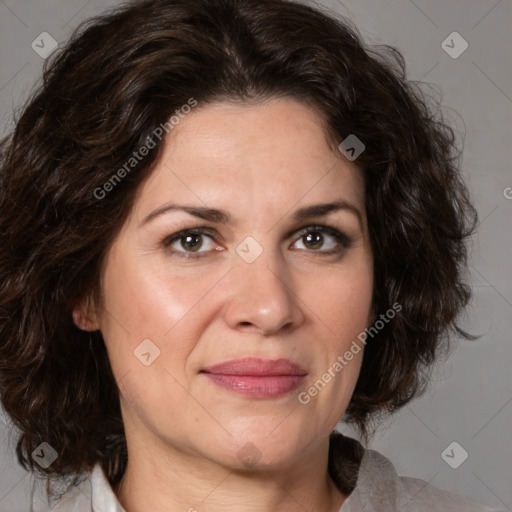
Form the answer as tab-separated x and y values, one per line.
258	154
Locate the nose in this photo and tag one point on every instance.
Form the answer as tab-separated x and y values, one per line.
262	299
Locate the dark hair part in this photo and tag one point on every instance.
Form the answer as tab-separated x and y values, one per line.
125	73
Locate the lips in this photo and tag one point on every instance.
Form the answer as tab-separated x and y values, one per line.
256	378
256	367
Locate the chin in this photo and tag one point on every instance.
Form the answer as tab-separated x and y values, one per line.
256	450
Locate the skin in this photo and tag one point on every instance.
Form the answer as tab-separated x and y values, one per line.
260	163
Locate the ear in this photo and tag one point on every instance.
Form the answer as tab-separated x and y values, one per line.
85	316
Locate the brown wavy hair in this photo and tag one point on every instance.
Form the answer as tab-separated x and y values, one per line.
126	72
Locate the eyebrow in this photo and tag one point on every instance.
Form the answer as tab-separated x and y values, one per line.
222	216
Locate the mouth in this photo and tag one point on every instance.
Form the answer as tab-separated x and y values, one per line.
256	378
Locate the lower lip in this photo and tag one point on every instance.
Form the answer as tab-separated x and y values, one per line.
257	387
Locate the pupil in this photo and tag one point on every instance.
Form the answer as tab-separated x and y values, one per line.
191	242
314	239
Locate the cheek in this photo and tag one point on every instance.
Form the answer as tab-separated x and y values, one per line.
147	300
343	302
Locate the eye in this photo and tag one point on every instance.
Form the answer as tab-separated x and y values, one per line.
190	240
314	237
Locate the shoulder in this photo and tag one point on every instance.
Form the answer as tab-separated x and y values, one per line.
379	487
405	493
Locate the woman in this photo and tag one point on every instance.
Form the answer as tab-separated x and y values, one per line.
222	225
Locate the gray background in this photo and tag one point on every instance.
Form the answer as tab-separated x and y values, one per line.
470	398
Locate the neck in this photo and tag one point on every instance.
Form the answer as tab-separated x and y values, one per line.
184	481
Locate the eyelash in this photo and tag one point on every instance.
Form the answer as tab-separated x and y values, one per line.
344	240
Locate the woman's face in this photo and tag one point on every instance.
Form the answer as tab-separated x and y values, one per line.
252	285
